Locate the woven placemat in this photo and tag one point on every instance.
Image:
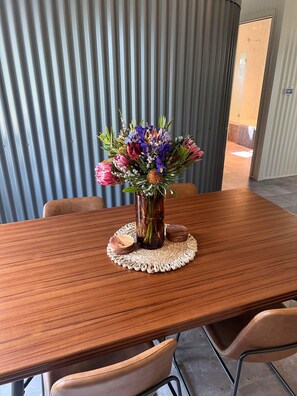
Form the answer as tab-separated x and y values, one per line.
170	256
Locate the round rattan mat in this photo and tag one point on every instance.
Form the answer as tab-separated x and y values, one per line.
171	256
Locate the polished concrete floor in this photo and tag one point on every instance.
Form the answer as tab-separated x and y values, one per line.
203	373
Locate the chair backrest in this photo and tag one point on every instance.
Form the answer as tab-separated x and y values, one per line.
270	328
130	377
182	190
72	205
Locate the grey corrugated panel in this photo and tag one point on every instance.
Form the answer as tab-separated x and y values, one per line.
279	158
224	92
67	67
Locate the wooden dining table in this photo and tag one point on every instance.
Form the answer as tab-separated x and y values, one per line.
62	300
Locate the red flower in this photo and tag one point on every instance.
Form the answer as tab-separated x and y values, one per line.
104	175
133	150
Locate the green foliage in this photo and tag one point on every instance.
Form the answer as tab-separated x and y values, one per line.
107	138
131	189
110	143
162	122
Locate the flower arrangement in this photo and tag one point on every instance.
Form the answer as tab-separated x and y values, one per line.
147	158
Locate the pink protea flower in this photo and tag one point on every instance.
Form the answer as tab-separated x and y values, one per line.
195	152
104	175
121	162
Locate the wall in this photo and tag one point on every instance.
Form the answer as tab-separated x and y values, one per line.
66	67
275	155
280	143
253	7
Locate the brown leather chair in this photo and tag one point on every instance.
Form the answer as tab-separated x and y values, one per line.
138	370
258	336
72	205
181	190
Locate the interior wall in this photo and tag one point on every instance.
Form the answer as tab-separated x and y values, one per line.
276	144
66	67
279	157
254	7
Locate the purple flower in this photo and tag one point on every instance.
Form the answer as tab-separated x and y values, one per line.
163	150
160	165
131	137
141	132
163	135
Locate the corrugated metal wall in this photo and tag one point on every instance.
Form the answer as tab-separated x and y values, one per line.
280	145
67	66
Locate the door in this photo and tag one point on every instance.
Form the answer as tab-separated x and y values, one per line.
251	54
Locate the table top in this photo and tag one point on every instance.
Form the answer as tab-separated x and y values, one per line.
63	300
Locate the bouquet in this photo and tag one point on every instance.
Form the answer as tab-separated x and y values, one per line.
148	159
145	157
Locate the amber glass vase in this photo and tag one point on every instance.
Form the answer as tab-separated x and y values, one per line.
149	220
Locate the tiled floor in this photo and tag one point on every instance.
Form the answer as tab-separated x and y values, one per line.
204	375
282	191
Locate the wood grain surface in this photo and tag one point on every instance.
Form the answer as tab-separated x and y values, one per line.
63	300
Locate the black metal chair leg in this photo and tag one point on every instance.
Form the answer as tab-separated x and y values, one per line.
27	382
178	368
252	352
227	371
172	389
281	378
162	383
177	381
181	374
237	376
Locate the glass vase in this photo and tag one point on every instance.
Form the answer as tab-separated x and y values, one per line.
149	220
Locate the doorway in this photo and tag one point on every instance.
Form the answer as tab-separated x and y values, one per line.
250	60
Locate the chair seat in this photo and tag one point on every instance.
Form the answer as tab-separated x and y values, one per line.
63	206
263	335
223	333
99	361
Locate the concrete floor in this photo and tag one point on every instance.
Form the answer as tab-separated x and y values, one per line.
200	367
